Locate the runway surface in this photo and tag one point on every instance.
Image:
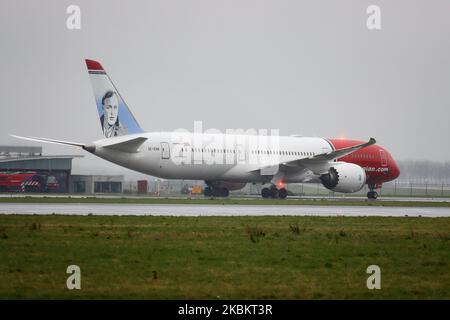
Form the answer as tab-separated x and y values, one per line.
218	210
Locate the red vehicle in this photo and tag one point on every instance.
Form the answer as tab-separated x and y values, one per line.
27	182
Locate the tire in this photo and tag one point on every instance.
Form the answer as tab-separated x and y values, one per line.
274	193
224	192
282	193
372	195
265	193
207	192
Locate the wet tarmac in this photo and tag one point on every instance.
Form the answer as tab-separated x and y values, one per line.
219	210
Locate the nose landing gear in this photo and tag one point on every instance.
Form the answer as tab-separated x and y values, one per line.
372	194
274	193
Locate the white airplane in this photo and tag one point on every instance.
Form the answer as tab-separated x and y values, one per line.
229	161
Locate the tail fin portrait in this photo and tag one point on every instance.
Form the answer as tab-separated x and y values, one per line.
116	118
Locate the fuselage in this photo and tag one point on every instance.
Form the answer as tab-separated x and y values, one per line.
235	158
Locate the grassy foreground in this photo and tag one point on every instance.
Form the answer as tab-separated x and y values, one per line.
221	201
224	257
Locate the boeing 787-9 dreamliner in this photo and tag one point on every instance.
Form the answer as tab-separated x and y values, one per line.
229	161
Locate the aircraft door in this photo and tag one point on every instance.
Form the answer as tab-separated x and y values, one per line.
383	158
240	153
165	150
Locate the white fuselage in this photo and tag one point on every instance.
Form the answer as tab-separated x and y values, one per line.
230	157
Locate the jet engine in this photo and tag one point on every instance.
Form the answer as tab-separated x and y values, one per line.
344	177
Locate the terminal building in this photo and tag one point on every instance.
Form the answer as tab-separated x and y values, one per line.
91	184
26	169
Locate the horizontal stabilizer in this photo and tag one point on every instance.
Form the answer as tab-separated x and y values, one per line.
130	146
76	144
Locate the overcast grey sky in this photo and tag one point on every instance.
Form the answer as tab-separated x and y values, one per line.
304	67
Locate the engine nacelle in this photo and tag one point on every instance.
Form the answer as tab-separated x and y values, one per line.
344	177
230	185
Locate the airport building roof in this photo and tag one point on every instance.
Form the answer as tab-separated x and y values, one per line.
31	158
25	150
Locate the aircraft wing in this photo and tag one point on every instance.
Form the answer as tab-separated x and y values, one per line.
329	156
319	163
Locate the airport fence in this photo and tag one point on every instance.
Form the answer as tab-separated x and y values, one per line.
178	188
395	189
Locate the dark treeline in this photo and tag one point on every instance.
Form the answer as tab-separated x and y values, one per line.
424	171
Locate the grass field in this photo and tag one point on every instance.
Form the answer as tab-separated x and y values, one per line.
219	201
224	257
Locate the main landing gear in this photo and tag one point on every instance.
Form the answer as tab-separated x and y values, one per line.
273	192
215	192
